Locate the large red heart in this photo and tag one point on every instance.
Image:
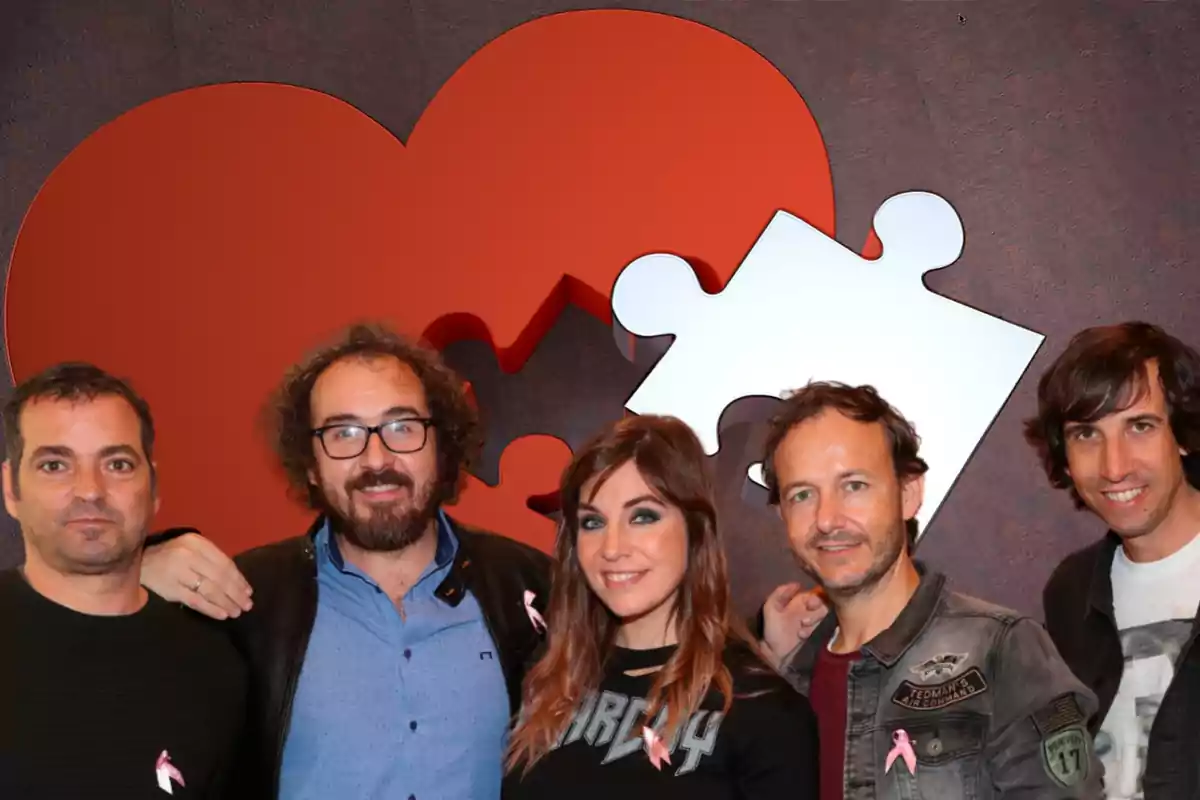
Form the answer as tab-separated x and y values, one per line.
202	242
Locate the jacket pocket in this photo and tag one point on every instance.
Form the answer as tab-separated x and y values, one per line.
947	751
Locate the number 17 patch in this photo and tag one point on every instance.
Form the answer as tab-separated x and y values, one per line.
1066	756
1066	746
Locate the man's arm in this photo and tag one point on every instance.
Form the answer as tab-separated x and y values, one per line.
237	776
1039	746
776	749
787	619
1060	599
1050	611
181	566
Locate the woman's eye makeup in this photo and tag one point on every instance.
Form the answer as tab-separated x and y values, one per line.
638	515
591	522
644	516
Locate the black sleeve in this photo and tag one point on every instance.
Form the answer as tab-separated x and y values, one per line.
236	779
237	775
775	750
1054	610
160	537
1050	610
758	623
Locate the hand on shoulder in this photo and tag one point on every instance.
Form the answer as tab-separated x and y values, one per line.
191	570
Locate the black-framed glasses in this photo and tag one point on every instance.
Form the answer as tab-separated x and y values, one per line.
348	440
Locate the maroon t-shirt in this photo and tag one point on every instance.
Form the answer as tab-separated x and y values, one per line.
827	694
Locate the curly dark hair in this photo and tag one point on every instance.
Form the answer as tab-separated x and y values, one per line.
454	417
1104	370
860	403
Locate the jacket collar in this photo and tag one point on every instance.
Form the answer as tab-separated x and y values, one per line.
452	588
892	643
1100	592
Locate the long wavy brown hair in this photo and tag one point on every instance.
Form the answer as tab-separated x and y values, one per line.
581	629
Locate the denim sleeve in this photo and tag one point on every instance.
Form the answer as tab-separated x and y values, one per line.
1039	747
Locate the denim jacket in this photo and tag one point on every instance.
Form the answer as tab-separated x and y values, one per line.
989	707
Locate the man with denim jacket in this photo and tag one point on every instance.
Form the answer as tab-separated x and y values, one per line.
920	692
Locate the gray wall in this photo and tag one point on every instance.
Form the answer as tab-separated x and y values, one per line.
1066	134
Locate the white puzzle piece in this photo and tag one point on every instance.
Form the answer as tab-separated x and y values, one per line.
803	307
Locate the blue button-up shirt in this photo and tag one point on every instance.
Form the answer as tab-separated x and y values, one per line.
391	708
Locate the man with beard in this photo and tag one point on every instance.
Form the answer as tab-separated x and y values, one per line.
388	643
105	690
1118	419
919	691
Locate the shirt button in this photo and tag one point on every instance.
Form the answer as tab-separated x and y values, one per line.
935	747
407	653
413	725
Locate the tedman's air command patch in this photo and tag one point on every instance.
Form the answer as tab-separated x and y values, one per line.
932	696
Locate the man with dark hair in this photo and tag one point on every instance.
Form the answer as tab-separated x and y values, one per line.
105	691
919	691
1118	421
387	644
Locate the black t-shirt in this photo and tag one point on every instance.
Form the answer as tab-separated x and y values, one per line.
765	748
88	704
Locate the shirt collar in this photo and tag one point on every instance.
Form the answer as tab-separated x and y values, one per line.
447	547
890	644
912	621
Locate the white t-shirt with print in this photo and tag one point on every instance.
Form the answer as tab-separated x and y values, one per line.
1155	604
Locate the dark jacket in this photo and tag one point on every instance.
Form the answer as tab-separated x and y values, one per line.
273	636
989	707
1078	604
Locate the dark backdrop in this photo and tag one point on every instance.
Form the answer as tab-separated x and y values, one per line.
1065	134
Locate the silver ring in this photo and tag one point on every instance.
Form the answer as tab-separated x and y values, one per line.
195	587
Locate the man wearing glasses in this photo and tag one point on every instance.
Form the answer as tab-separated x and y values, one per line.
386	645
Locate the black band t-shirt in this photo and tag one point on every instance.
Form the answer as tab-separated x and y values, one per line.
89	704
765	747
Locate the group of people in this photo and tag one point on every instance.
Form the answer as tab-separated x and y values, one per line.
394	653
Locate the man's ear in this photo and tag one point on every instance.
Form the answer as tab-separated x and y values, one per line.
912	495
157	496
10	490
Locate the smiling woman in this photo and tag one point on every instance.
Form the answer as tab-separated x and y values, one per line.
647	685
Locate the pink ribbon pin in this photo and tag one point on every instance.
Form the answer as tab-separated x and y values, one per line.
655	748
534	616
903	748
165	771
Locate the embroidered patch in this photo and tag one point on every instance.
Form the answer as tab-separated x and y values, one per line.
944	664
1065	756
1063	711
939	695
